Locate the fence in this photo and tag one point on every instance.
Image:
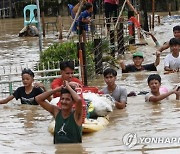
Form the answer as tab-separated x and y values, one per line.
5	12
10	78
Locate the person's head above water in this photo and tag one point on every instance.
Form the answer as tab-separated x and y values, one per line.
176	28
138	58
174	41
138	54
65	64
27	71
174	44
110	71
67	70
154	77
176	31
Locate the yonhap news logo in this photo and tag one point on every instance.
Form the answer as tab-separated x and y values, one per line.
131	139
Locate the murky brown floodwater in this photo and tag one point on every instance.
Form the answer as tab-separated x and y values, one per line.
23	129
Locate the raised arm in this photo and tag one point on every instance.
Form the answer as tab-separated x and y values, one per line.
157	61
6	100
122	65
154	39
164	47
41	85
41	99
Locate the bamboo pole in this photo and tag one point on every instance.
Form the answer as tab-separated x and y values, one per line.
77	14
132	7
120	14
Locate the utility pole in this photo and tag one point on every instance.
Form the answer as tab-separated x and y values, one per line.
39	26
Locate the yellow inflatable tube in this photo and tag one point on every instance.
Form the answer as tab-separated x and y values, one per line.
89	126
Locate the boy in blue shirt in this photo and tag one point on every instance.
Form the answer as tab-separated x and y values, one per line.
83	20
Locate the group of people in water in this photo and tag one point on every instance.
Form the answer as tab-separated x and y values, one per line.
68	117
171	65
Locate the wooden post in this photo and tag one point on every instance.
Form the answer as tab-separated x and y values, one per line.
143	9
150	22
98	56
153	9
43	24
82	61
80	53
159	20
169	8
60	28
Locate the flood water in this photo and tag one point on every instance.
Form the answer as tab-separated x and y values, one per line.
23	129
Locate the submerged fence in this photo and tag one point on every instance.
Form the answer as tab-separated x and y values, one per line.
10	76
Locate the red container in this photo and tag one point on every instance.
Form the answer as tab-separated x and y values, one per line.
90	89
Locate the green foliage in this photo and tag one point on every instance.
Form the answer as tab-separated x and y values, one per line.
90	66
68	51
59	52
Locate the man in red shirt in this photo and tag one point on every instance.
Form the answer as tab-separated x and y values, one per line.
67	72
